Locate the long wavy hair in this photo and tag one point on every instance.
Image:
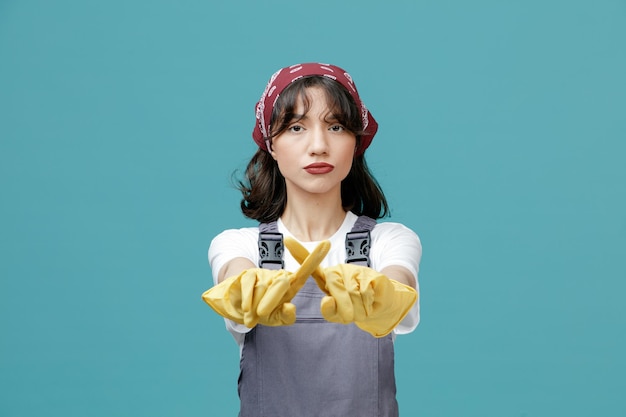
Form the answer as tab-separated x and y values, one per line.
263	186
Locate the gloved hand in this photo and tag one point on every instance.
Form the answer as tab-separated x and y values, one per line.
374	302
261	295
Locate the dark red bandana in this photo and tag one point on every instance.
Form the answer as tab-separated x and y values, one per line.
285	76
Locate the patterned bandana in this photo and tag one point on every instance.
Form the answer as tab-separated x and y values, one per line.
285	76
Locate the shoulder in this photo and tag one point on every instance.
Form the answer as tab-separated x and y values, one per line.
233	243
233	238
244	233
386	231
395	244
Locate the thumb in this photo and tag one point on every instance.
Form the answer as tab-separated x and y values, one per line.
284	315
328	308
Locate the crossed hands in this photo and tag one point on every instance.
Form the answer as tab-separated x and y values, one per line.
263	296
354	294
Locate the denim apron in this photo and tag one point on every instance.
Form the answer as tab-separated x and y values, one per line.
315	368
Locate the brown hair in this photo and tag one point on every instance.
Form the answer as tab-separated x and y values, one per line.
263	187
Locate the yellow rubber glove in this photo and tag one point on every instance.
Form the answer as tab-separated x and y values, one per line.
262	296
374	302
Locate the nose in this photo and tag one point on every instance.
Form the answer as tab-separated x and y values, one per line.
318	144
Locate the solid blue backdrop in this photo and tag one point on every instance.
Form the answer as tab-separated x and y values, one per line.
501	143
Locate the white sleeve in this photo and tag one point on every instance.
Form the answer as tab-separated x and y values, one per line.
230	244
394	244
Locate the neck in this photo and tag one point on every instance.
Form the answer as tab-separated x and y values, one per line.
313	219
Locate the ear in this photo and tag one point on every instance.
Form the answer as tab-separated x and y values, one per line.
268	145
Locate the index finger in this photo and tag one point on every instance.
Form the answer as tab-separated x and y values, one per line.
300	254
309	265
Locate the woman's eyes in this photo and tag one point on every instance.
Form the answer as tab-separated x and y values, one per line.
299	128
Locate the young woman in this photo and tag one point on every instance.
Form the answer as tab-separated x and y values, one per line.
318	346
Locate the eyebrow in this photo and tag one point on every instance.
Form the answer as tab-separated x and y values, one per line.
330	117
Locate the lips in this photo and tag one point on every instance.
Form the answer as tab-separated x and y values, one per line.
319	168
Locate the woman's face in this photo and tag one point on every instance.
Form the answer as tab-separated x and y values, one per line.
315	152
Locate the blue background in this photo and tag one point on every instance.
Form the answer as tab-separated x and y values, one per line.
501	143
